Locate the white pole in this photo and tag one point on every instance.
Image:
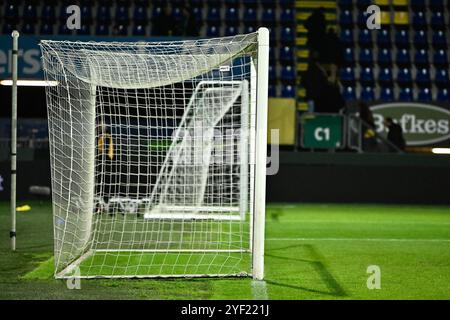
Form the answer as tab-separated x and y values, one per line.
261	153
15	48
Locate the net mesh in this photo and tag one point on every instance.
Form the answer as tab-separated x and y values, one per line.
152	156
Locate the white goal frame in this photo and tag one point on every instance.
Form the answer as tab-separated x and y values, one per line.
254	193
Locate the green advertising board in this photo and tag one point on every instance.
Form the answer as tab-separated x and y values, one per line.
322	131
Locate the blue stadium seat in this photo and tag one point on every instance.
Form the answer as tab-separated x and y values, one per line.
402	39
367	94
102	30
386	94
139	30
177	14
86	14
403	58
349	56
272	73
122	15
288	91
28	28
366	57
48	13
251	29
287	73
439	39
268	16
231	30
442	79
362	19
29	13
84	30
366	76
121	30
405	94
384	57
140	15
349	93
440	58
103	14
404	77
62	29
213	31
346	19
437	20
365	38
11	13
232	15
443	95
287	16
213	14
419	20
421	39
287	35
385	76
347	76
8	28
384	38
286	54
423	77
272	90
347	37
421	58
424	95
197	12
250	15
46	29
272	54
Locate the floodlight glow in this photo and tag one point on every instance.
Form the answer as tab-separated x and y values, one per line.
441	150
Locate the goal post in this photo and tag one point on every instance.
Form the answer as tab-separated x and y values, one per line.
158	156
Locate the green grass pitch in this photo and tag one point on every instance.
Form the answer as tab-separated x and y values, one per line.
312	252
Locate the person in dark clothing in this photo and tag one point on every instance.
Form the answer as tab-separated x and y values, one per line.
332	56
395	134
316	26
325	95
368	137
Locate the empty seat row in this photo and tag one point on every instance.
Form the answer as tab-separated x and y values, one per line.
403	77
123	14
402	57
402	38
388	94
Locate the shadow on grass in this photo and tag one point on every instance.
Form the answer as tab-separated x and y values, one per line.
335	289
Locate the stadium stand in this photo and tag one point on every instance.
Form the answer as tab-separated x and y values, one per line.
136	17
409	54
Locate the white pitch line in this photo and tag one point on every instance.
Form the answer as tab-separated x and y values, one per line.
358	239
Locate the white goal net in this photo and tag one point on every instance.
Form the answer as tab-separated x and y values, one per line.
157	156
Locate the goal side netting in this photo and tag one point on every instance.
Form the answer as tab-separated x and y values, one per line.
155	157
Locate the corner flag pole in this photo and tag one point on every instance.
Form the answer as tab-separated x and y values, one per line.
15	48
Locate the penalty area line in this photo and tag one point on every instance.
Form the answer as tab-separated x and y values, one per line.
359	239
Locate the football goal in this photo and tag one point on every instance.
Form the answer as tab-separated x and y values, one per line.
158	156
